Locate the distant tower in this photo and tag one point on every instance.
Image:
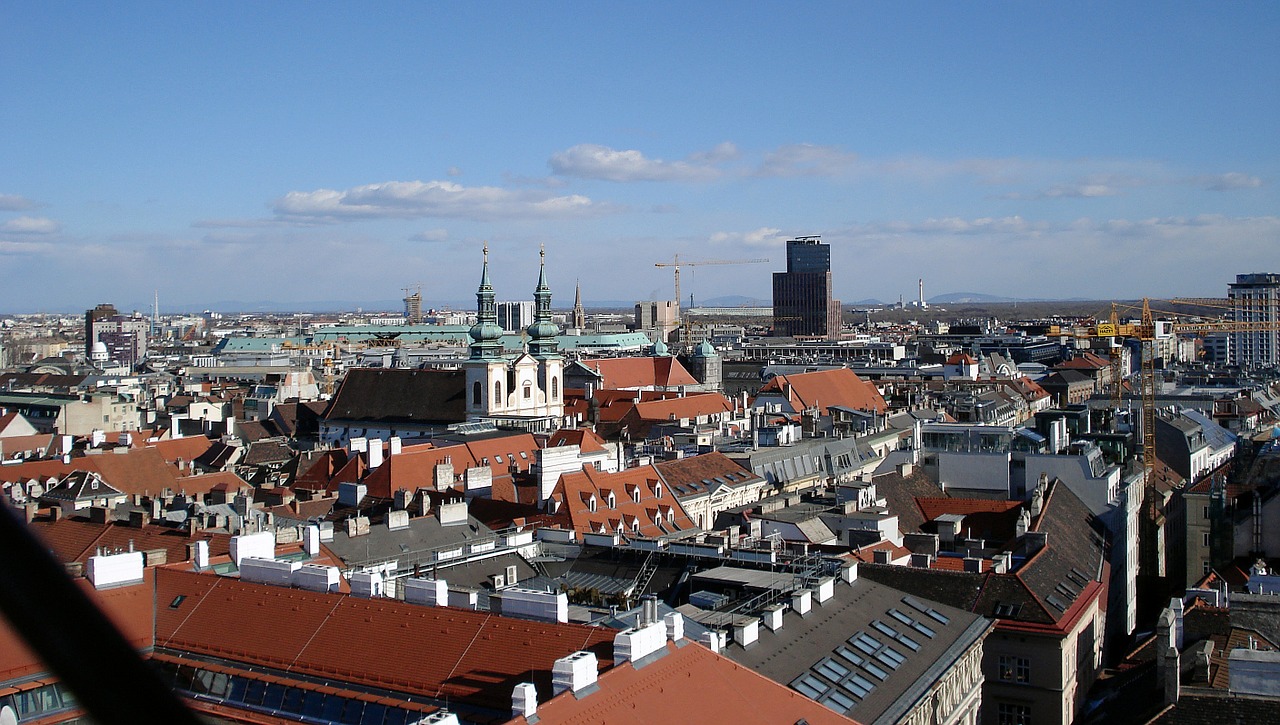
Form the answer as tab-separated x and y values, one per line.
413	306
802	302
1255	298
921	301
579	313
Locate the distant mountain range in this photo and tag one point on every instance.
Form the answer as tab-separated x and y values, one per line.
396	306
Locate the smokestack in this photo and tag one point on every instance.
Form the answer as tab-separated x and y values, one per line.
375	453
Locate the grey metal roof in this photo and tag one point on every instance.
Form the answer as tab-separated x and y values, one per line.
870	645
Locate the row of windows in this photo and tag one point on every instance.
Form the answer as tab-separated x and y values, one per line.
307	705
477	392
39	701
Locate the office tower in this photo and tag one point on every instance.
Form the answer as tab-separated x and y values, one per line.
1255	298
515	316
126	336
802	303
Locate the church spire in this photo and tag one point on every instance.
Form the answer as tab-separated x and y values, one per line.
579	314
542	333
486	335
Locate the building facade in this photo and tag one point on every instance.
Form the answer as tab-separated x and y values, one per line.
802	301
1255	298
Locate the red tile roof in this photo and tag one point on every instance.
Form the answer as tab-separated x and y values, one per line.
440	652
586	440
686	684
130	608
76	539
841	387
620	373
141	471
574	491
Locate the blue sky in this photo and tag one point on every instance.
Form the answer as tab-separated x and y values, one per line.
317	151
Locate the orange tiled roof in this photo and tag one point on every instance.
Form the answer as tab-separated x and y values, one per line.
574	491
686	684
440	652
825	388
139	472
130	608
690	406
619	373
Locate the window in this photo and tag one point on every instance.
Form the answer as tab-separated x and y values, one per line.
613	501
1206	538
475	394
1014	669
1010	714
497	392
555	388
591	504
528	391
657	490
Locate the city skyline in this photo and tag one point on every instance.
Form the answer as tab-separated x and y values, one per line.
261	153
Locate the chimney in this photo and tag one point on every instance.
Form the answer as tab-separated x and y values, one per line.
311	540
1036	540
524	701
375	453
139	519
444	474
396	445
849	572
1024	523
55	513
772	617
636	643
882	556
921	561
1175	605
675	626
802	601
358	445
973	565
575	672
1172	676
201	554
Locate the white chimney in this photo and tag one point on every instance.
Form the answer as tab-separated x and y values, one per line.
311	540
574	672
675	626
772	617
524	700
202	554
637	643
358	445
375	452
713	640
396	445
802	601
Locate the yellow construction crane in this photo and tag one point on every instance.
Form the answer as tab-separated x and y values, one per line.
1145	331
676	263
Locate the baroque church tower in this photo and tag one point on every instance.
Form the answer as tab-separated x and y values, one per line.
526	392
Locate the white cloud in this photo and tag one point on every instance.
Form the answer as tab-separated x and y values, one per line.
13	202
1086	258
762	237
1230	181
440	199
593	161
430	235
806	160
453	171
9	247
30	225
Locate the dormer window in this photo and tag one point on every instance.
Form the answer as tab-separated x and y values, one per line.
613	502
657	490
591	504
635	494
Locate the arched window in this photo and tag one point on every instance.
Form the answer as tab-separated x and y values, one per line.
497	393
475	394
555	388
591	504
657	490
